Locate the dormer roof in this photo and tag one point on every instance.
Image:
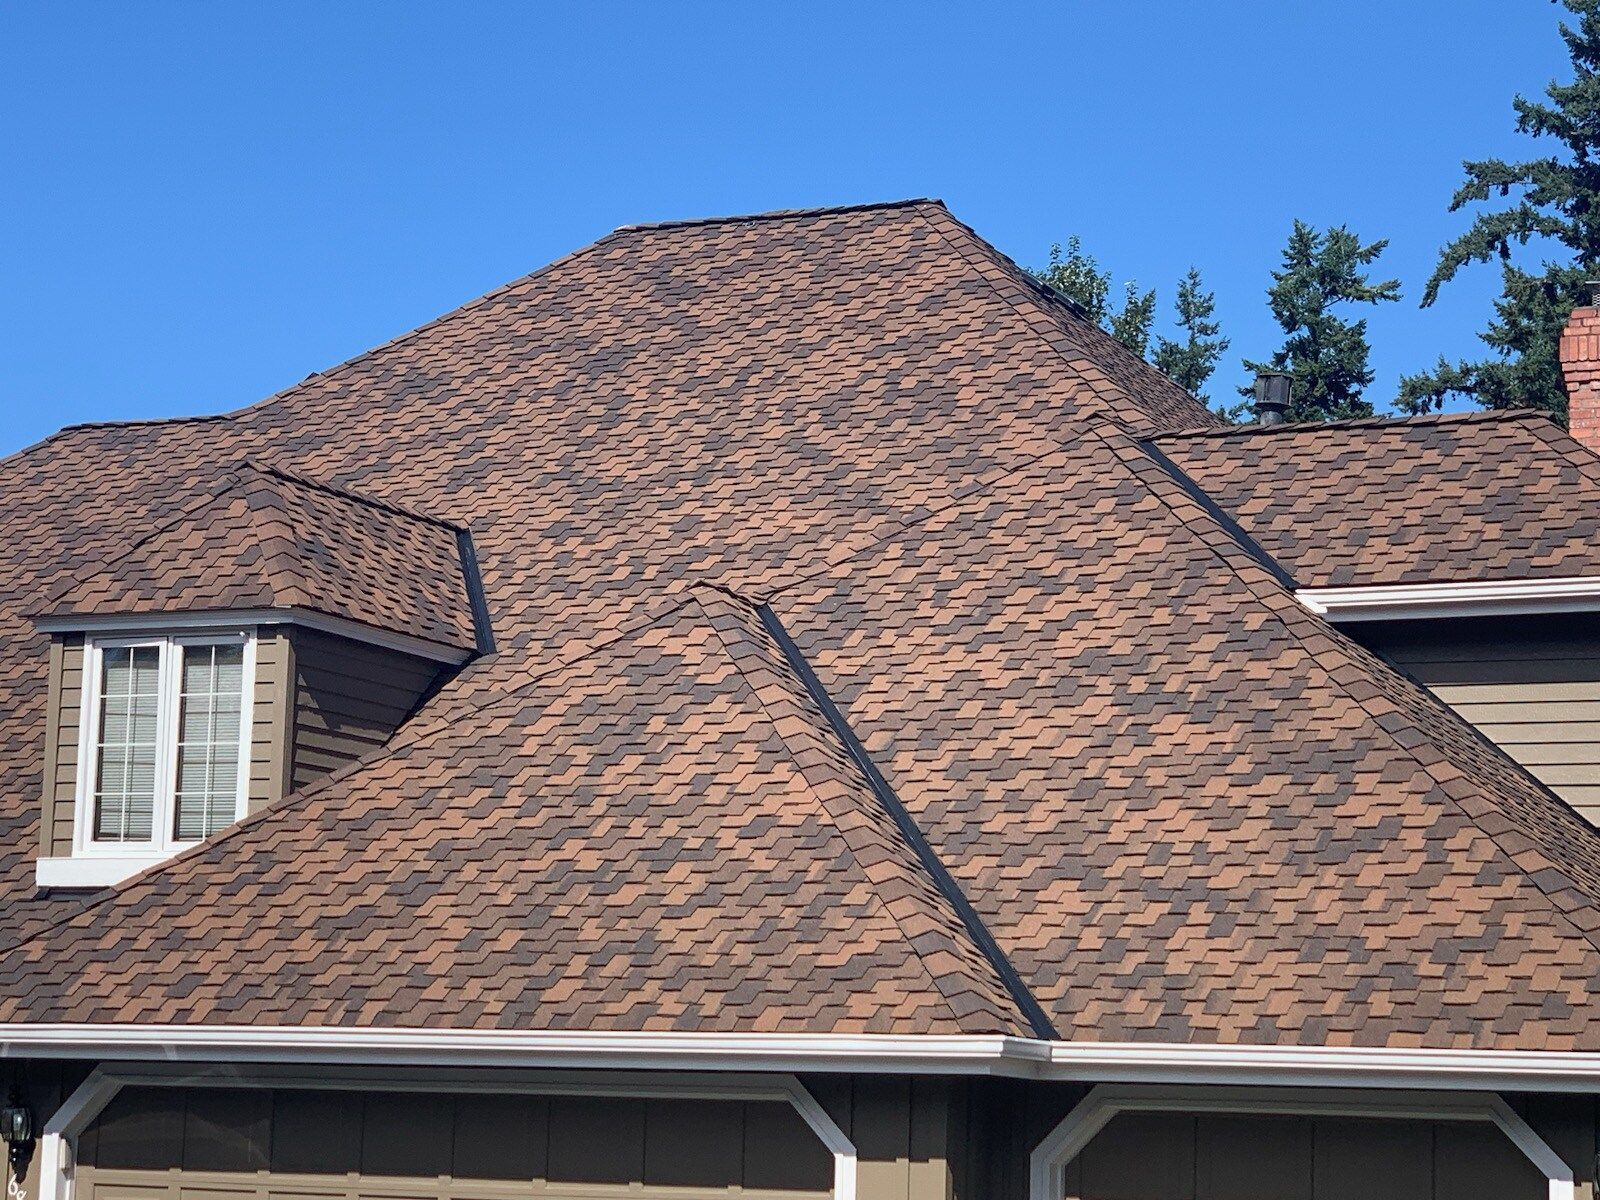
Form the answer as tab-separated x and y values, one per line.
264	540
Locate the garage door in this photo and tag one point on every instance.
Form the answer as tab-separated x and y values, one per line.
1180	1156
209	1144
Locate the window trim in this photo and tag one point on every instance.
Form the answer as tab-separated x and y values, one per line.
163	843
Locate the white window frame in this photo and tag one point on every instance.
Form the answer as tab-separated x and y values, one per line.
162	844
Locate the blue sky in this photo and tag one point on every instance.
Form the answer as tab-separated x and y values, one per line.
202	203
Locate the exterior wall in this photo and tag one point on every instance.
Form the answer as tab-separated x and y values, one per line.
318	702
913	1135
267	743
349	698
269	725
1531	684
61	745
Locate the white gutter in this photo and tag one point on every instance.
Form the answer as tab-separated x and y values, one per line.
1129	1062
1490	597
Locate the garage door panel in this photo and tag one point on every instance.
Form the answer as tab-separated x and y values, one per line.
694	1143
191	1144
502	1137
596	1139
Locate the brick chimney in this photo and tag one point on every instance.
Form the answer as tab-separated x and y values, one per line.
1580	363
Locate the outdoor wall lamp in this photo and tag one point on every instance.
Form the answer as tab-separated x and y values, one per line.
16	1130
16	1123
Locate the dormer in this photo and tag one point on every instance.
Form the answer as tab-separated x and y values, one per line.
273	631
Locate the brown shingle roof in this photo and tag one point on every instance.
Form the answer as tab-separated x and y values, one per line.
1186	809
659	835
262	538
1426	500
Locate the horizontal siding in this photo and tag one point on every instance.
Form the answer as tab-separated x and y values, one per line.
1531	684
61	748
348	700
268	718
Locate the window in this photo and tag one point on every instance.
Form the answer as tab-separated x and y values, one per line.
165	734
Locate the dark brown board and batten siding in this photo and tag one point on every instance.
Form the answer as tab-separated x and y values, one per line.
1531	684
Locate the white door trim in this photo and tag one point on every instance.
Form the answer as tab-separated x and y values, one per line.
58	1142
1048	1163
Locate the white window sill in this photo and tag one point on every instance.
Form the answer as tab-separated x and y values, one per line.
92	871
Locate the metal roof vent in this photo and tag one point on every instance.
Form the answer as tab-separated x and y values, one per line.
1272	397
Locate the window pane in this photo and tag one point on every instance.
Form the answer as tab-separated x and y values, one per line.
208	740
125	777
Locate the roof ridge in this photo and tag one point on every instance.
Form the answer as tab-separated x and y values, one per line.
914	866
1047	300
173	513
133	422
343	493
1372	422
1290	614
1584	458
120	423
779	214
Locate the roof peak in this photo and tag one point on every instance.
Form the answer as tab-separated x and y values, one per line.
780	214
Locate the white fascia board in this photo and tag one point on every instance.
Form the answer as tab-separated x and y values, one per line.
1128	1062
244	618
527	1048
1488	597
1266	1066
94	870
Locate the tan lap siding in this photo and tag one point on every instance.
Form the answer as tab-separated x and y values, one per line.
349	698
208	1144
269	706
1531	684
61	745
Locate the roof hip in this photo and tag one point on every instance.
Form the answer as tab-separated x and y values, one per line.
909	830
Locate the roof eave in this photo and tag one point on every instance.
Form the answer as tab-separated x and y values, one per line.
139	622
1133	1062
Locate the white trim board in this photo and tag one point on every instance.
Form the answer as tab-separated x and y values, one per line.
1048	1163
93	871
1132	1062
1486	597
58	1141
182	622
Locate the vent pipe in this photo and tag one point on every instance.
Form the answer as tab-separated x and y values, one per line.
1272	397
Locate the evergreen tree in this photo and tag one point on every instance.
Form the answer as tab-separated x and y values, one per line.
1190	362
1078	277
1325	353
1558	202
1131	326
